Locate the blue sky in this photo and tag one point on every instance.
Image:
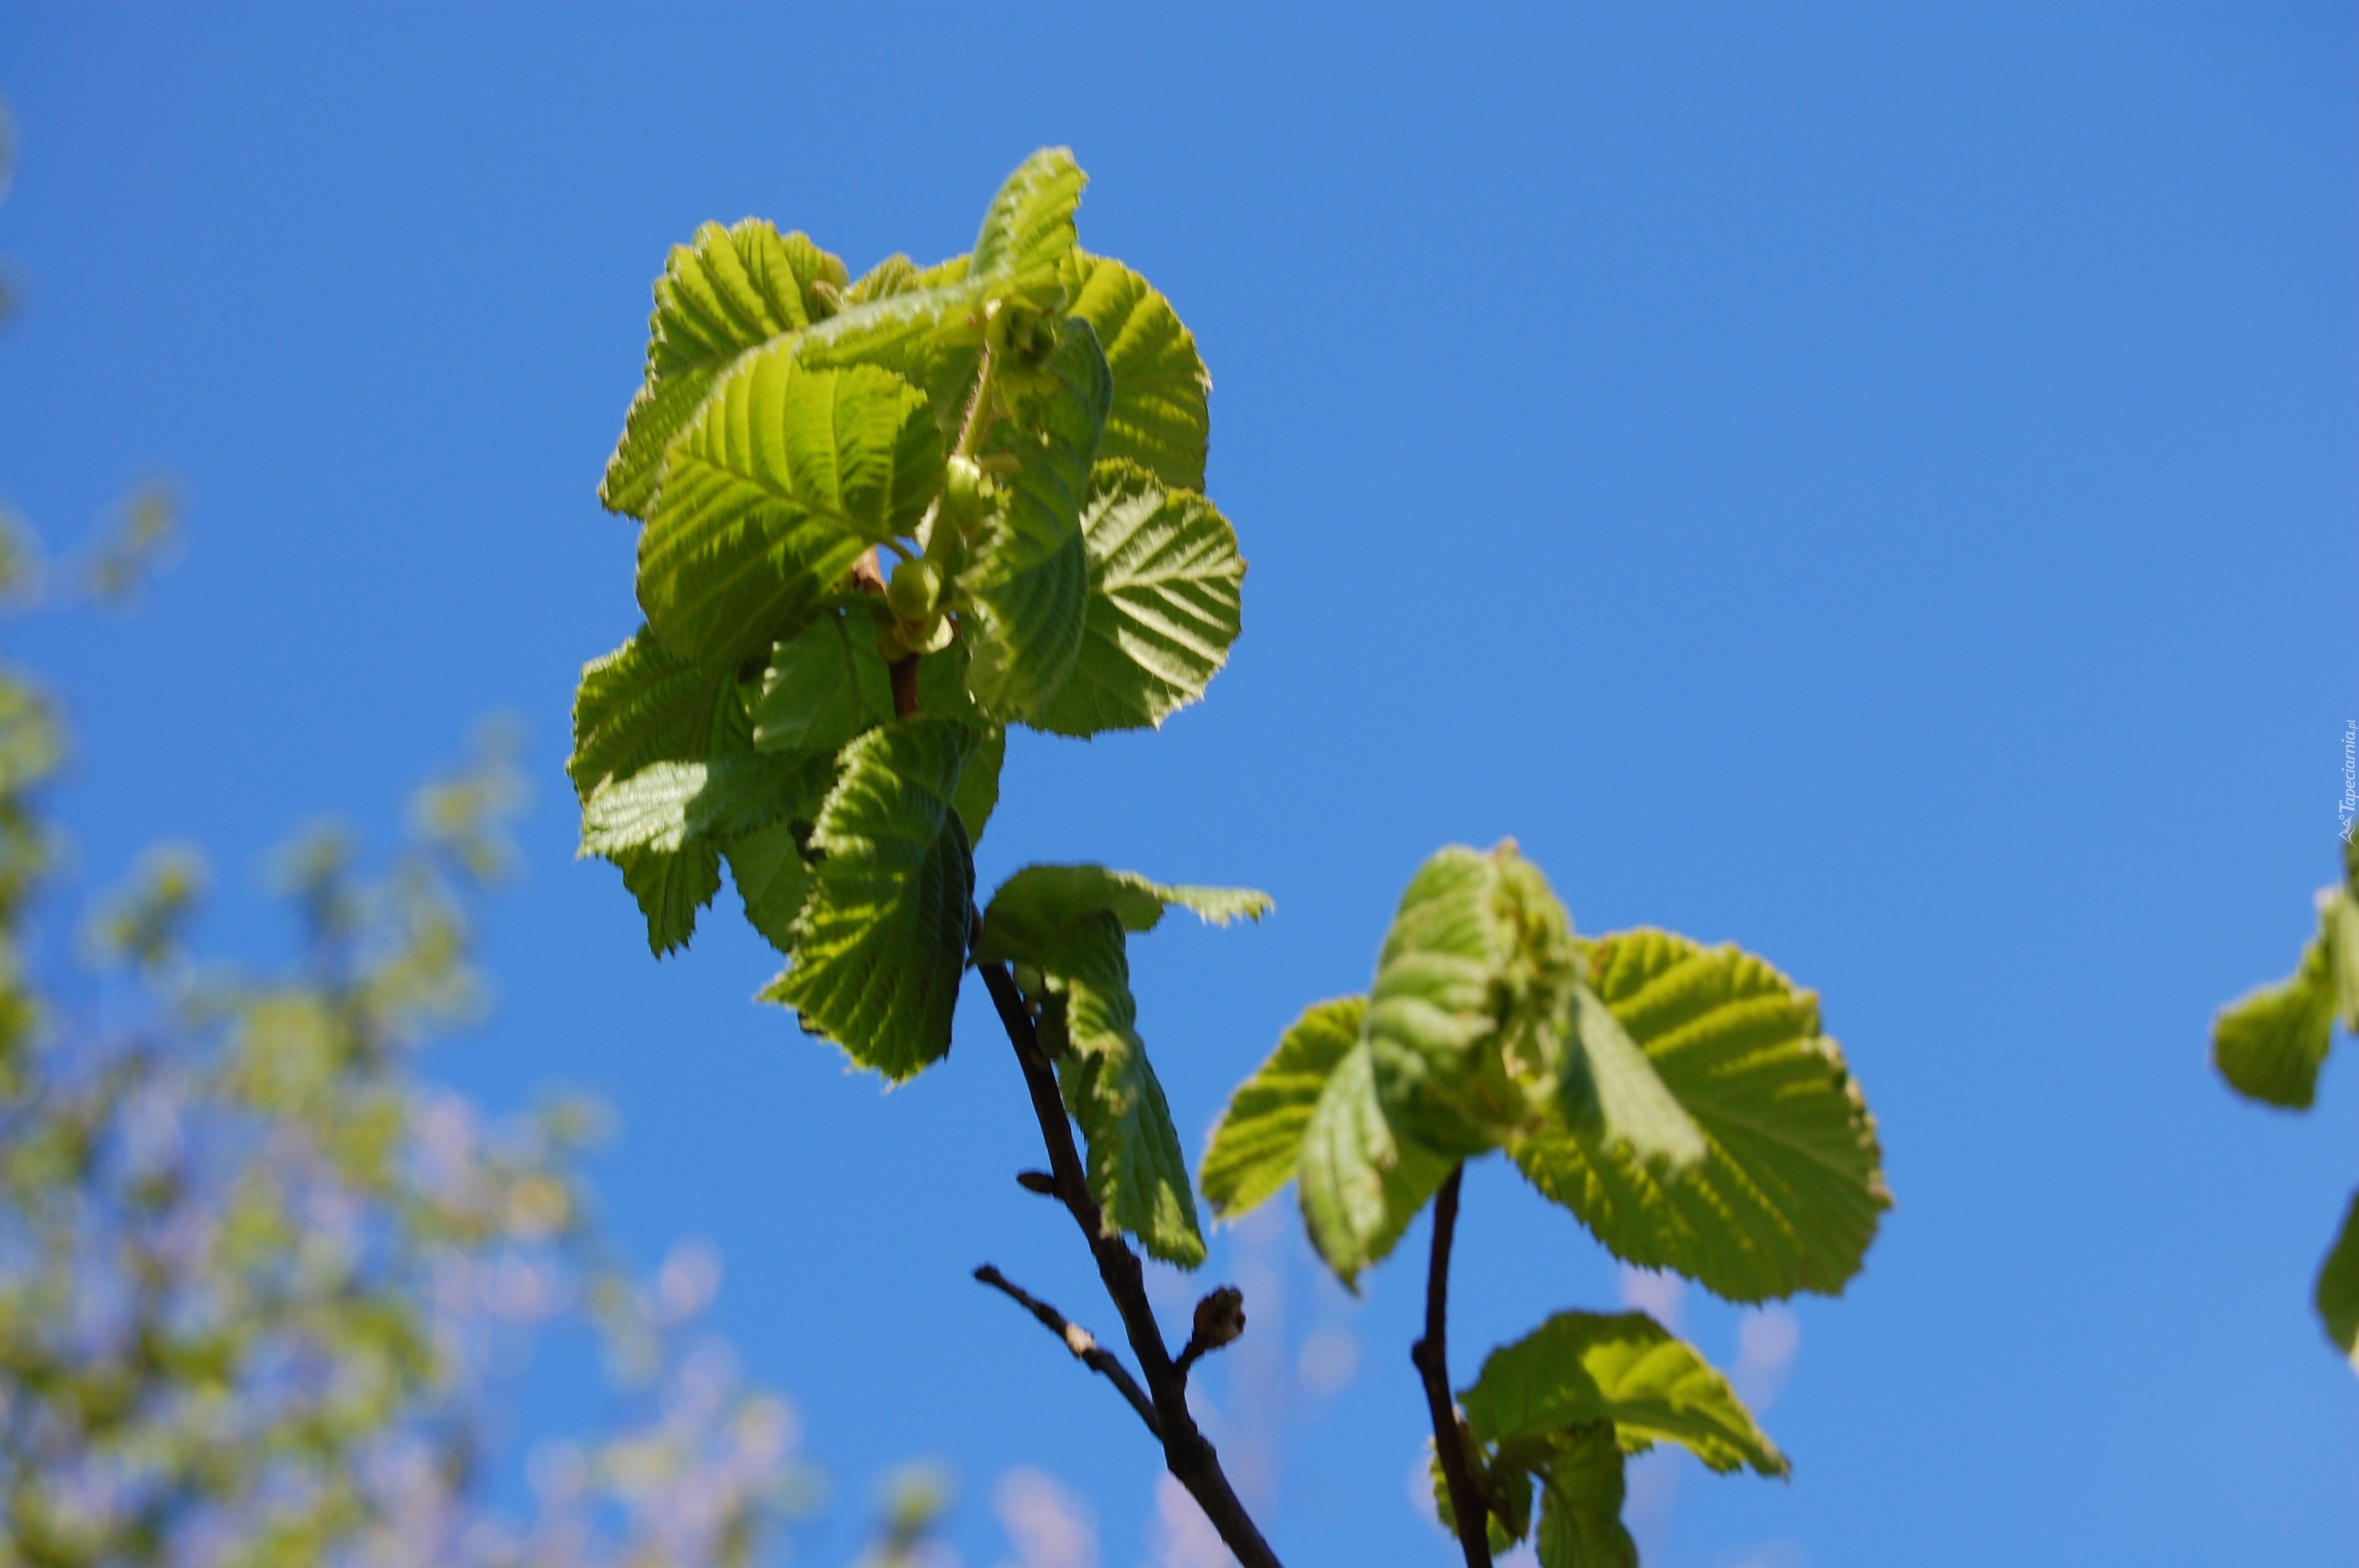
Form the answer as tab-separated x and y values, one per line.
1876	483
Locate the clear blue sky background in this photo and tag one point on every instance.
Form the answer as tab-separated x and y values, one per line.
1874	482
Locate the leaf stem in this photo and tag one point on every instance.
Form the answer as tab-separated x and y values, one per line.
1432	1355
1187	1453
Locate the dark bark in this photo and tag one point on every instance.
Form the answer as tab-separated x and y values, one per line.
1432	1355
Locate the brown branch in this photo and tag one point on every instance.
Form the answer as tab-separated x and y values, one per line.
903	674
1432	1355
1187	1453
1077	1340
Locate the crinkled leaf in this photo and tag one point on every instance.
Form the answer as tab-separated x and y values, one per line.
1159	419
1138	1173
1258	1144
1164	589
640	704
772	878
785	475
1611	1092
1626	1368
1028	587
726	291
2337	1287
1028	229
1038	909
881	941
1476	960
2339	927
895	275
1790	1193
2270	1043
1360	1184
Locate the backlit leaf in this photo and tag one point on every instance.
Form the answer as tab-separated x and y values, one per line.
1258	1144
1028	229
1164	589
785	477
772	878
1612	1093
1359	1183
1581	1504
1791	1190
726	291
1626	1368
2337	1287
640	704
824	685
1159	419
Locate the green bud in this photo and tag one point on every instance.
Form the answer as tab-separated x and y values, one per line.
966	494
915	586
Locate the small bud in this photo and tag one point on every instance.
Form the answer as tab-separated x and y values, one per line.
1220	1317
966	495
1040	1181
912	591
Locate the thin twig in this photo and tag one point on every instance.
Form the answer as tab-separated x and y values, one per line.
1187	1453
1078	1340
1432	1355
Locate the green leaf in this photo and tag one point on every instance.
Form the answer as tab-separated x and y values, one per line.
1028	587
1257	1143
1477	961
1029	227
1611	1093
1164	589
1360	1184
665	826
2270	1043
1039	909
786	476
824	685
1790	1193
931	336
772	878
2339	926
1580	1503
894	275
726	291
881	941
1626	1368
1137	1172
1159	419
2337	1287
640	704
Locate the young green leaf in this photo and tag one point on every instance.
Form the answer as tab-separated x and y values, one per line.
2270	1043
1165	586
881	941
1028	587
1258	1144
1040	908
1138	1173
1359	1183
2337	1287
1029	227
785	477
1159	419
1455	983
1789	1195
1626	1368
641	704
725	292
895	275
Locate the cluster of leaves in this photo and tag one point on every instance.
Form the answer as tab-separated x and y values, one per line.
1678	1099
1021	431
253	1273
2270	1043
